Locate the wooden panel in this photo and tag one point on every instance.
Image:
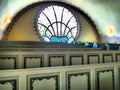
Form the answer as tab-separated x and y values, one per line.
33	61
56	60
118	57
78	81
8	62
76	60
118	78
105	80
107	58
43	82
8	83
93	59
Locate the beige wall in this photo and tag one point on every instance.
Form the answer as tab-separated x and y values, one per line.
23	29
87	31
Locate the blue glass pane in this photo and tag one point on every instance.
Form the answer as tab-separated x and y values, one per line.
59	39
95	45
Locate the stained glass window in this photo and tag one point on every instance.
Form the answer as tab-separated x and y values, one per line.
57	24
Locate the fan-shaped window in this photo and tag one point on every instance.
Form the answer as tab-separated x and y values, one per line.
56	23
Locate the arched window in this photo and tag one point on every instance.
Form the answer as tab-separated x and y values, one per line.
56	23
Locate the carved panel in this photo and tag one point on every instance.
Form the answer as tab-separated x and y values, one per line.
76	60
33	61
8	84
93	59
107	58
8	62
43	82
78	81
57	60
119	78
105	80
117	57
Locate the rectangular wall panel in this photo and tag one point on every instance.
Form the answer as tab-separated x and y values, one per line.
105	79
107	58
118	57
78	81
56	60
118	78
8	62
93	59
76	60
33	61
44	82
9	83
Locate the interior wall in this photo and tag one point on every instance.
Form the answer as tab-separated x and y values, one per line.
103	13
23	28
87	31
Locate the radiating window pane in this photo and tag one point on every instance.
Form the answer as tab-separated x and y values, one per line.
57	24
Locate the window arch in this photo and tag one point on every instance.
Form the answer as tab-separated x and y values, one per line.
56	23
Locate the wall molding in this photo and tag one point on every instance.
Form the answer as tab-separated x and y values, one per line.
12	80
31	57
93	55
32	78
117	55
14	57
77	73
56	56
71	56
98	78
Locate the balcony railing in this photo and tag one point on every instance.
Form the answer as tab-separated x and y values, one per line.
78	77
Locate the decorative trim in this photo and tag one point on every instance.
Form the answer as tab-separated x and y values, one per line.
10	57
31	79
88	60
13	81
56	56
26	57
98	78
70	60
117	57
76	74
107	55
119	78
